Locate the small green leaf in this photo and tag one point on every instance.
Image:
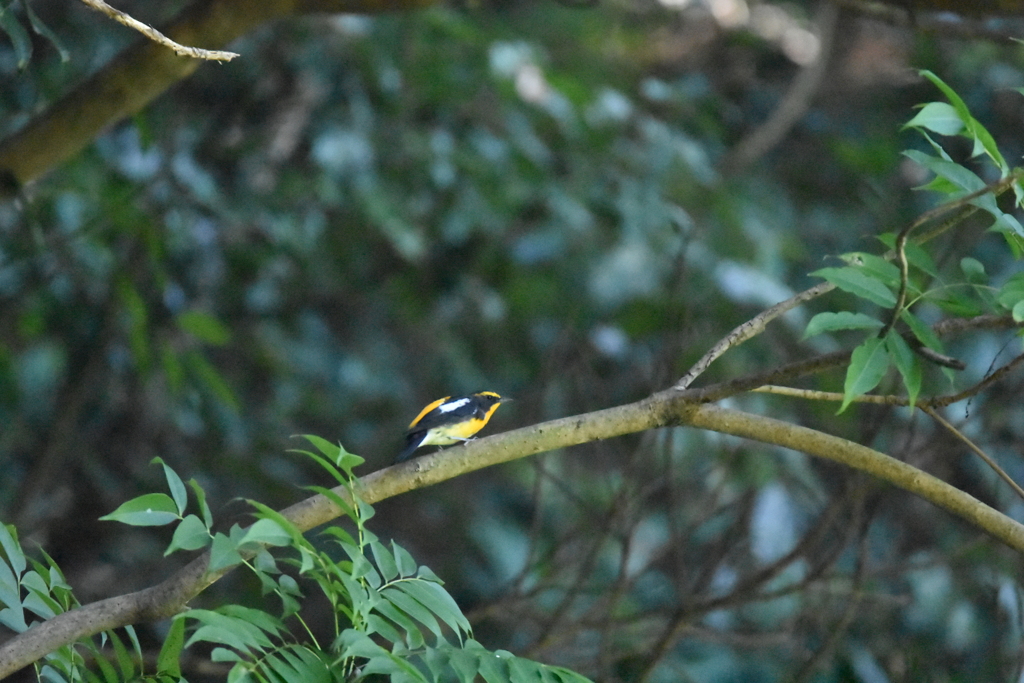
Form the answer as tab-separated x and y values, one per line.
12	549
151	509
855	282
168	662
413	636
958	304
843	320
125	661
974	270
923	333
958	104
465	665
1018	312
377	625
868	365
916	256
267	623
906	362
106	669
326	448
405	561
406	603
1012	291
191	534
937	117
223	553
178	492
963	180
204	508
204	327
14	619
222	654
874	267
385	561
266	532
242	629
439	602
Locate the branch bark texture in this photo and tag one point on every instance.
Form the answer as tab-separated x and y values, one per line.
141	73
665	409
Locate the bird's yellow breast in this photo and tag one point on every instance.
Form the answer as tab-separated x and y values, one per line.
446	435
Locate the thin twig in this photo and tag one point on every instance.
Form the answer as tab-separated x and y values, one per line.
926	406
935	402
812	395
971	391
157	37
980	453
751	328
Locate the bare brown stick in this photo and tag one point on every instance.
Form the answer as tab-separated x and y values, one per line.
751	328
157	37
971	391
980	453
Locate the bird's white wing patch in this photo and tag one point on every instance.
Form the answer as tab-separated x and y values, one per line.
453	405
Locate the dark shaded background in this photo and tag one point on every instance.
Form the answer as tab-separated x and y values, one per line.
360	215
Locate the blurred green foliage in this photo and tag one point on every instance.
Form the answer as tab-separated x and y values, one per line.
361	215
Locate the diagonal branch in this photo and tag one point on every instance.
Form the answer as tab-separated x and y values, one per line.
142	72
157	37
750	329
665	409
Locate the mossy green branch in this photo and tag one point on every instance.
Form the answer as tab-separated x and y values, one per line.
665	409
142	72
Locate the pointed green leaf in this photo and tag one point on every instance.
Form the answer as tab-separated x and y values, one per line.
874	267
151	509
168	662
843	320
973	269
855	282
906	362
413	608
125	661
438	601
191	534
223	553
868	365
204	508
937	117
266	532
12	549
404	560
384	560
923	332
178	492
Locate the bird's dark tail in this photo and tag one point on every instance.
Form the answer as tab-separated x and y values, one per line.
412	442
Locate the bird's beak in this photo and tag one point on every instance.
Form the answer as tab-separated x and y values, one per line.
505	399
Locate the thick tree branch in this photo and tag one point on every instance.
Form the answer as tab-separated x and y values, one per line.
141	73
665	409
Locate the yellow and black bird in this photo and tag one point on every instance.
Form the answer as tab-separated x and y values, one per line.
450	420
